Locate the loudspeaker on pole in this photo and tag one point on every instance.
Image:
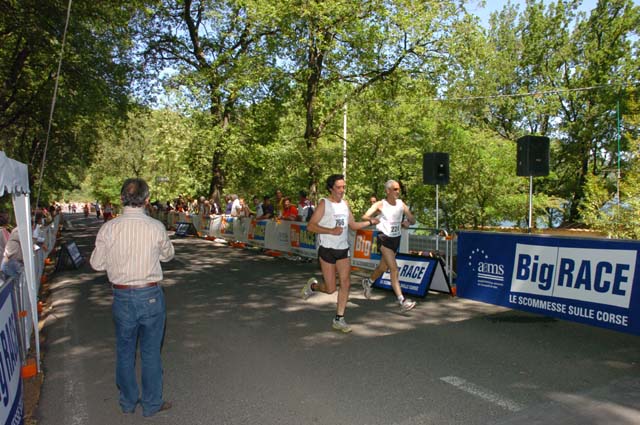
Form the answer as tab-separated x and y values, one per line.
533	156
435	168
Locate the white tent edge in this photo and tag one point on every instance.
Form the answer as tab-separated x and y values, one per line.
14	179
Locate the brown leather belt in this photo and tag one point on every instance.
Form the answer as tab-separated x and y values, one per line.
138	286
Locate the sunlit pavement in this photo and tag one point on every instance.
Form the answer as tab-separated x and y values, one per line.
241	347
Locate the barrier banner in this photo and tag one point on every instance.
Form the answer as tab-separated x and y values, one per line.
215	225
257	232
278	236
416	274
226	227
591	281
12	411
364	250
302	242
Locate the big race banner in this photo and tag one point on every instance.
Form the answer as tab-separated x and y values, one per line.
10	382
302	241
364	249
591	281
417	275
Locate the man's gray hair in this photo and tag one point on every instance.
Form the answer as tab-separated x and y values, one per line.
134	192
389	183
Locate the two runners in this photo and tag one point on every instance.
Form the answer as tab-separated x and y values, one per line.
330	220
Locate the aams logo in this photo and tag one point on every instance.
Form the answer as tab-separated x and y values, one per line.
478	261
491	268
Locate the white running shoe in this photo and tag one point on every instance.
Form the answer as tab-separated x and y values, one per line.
341	325
366	287
306	289
407	305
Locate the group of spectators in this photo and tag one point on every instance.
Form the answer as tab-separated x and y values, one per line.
280	207
11	260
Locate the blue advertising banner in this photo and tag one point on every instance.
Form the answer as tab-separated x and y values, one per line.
10	381
590	281
417	275
302	241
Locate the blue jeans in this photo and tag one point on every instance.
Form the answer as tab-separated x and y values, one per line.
139	315
11	268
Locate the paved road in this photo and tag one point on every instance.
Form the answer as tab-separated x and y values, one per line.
241	347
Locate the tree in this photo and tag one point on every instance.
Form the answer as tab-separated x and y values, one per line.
336	50
93	83
604	60
217	54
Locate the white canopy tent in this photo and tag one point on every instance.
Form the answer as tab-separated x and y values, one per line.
14	179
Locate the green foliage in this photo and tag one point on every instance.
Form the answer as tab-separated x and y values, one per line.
601	210
93	84
248	97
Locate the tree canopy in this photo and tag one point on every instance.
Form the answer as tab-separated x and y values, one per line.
206	97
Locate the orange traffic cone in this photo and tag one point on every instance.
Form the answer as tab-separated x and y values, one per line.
29	370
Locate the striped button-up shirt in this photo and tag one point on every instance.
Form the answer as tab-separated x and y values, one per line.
130	248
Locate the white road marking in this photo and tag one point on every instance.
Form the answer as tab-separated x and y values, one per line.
482	393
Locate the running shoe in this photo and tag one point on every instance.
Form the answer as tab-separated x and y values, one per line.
341	325
306	289
407	305
366	287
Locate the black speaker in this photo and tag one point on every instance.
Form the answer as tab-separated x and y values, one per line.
435	168
533	156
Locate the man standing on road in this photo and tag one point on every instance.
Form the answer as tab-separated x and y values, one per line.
390	211
329	221
130	248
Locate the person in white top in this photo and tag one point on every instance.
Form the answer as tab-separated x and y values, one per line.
393	214
329	221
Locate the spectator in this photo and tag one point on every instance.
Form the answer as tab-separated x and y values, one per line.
215	207
4	230
267	209
289	211
244	209
228	204
11	264
12	259
108	211
258	206
278	203
236	208
130	249
305	207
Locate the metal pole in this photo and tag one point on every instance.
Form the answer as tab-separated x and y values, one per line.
618	173
437	217
53	107
344	143
530	201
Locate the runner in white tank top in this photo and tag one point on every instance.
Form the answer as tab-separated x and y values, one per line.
330	221
335	215
391	218
390	212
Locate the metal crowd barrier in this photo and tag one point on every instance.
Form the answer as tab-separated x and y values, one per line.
290	237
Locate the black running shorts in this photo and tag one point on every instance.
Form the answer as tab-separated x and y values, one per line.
331	255
393	243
